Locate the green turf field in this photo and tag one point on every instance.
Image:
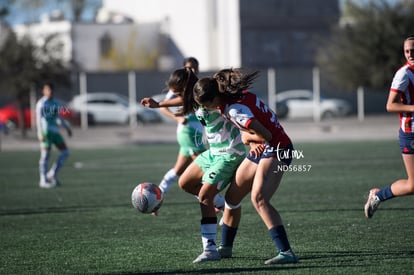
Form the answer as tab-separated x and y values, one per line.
89	226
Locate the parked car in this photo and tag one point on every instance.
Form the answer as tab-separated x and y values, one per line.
9	115
111	108
299	104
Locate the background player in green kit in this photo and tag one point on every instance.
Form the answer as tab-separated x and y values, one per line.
189	130
47	123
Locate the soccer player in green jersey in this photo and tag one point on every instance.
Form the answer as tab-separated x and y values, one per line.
47	122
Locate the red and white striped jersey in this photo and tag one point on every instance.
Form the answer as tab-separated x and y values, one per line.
248	107
403	84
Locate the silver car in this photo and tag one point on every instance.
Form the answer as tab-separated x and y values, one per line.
111	108
299	104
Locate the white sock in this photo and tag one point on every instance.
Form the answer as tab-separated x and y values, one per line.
169	178
208	236
43	164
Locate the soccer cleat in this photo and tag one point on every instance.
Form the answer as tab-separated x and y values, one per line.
287	257
46	185
54	181
207	255
225	251
372	203
52	178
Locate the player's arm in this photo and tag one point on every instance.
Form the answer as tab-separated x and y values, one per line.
167	112
257	133
151	103
65	124
395	106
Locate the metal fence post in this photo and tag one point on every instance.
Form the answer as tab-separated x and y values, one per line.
132	91
360	104
316	95
83	93
271	88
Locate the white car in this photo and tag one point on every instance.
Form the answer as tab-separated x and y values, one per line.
111	108
299	104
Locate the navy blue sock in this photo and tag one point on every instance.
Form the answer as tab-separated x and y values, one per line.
279	237
385	193
227	235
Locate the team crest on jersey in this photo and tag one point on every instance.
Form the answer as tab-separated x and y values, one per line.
212	175
412	144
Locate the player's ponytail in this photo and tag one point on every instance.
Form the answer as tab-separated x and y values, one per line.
234	81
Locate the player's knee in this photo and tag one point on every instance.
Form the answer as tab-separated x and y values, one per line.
65	153
186	186
258	201
181	184
410	187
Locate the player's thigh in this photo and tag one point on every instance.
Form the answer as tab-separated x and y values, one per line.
267	179
182	163
58	140
191	177
242	182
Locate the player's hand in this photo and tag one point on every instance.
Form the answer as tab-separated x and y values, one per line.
41	138
150	102
256	149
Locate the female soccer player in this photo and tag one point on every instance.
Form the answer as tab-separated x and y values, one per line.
212	170
189	129
270	148
400	100
47	119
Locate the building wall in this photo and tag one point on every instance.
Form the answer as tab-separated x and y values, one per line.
206	29
128	41
284	33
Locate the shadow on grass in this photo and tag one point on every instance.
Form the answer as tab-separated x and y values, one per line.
345	210
356	254
337	259
69	209
228	270
54	210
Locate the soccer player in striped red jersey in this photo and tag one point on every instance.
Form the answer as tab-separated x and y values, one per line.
401	101
270	148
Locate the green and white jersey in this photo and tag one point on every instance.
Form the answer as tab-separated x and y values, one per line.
192	120
222	136
47	116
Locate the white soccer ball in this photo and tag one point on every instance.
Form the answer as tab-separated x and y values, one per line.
147	197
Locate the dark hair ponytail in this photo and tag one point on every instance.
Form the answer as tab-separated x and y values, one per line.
234	81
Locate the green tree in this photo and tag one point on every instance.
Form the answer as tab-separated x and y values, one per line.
366	48
24	66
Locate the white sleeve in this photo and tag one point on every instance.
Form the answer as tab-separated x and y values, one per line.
239	114
170	95
39	106
400	80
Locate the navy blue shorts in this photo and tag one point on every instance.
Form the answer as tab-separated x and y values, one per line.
284	154
406	142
